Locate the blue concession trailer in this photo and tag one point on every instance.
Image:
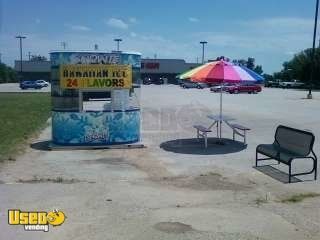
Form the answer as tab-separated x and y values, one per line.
95	98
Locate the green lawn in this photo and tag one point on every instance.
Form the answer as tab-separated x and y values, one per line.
21	115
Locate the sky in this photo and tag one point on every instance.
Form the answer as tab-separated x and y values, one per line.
270	31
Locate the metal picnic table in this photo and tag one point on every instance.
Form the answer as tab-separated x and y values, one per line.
219	119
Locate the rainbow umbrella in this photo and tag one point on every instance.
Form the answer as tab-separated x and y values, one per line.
221	72
188	73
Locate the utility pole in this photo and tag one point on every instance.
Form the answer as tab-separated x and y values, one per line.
203	43
118	40
309	96
20	41
64	45
29	56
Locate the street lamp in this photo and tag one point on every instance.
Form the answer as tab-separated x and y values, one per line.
118	40
20	38
64	45
203	43
309	96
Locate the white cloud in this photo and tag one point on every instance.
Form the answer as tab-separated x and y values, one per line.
78	27
270	41
133	20
282	23
290	53
274	34
193	19
116	23
37	20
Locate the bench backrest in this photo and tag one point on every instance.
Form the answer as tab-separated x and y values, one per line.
294	140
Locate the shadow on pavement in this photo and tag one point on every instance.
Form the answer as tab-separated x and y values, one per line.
42	146
195	146
276	174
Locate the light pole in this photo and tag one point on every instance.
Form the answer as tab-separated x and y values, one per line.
29	56
203	43
64	45
309	96
20	40
118	40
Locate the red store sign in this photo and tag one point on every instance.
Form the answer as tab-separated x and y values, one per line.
150	65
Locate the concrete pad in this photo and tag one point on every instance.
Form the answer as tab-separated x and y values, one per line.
151	193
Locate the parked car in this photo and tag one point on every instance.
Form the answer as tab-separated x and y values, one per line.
244	88
147	81
31	84
190	84
181	82
274	83
43	83
292	84
158	81
164	80
218	87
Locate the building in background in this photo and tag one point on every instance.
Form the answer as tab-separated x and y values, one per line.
33	70
164	70
156	70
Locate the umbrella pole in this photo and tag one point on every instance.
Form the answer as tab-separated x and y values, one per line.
220	110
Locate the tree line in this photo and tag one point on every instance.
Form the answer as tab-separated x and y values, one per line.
249	63
299	68
7	74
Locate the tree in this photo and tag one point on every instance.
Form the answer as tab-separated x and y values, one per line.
250	63
38	58
242	62
268	77
7	74
258	69
299	67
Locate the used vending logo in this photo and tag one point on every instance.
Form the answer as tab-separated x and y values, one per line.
36	221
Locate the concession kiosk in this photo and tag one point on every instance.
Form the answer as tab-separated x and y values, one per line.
95	98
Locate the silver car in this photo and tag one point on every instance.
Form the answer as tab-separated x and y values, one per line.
190	84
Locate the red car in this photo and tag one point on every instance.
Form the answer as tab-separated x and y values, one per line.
244	88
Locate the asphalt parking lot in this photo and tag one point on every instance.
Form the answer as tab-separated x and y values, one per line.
166	191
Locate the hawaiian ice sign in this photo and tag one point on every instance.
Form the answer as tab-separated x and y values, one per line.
84	76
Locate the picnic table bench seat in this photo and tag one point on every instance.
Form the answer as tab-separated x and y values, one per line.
289	144
203	131
236	128
202	128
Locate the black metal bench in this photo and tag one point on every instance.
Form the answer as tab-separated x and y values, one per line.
289	144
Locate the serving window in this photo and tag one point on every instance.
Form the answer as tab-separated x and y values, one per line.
109	100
